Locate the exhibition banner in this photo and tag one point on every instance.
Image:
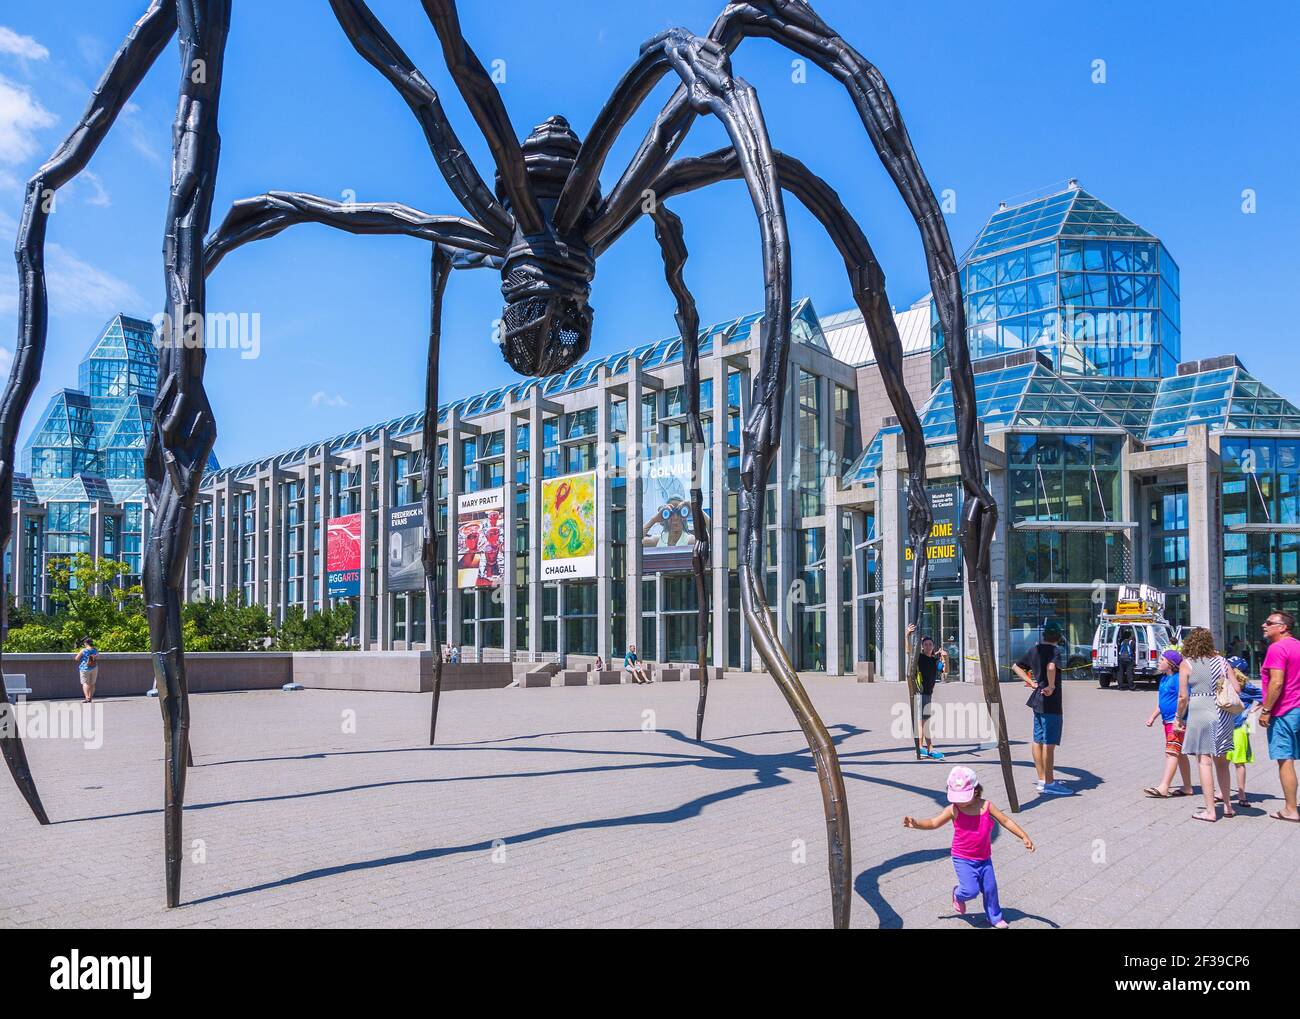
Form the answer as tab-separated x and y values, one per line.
943	550
569	527
480	538
669	532
403	567
343	556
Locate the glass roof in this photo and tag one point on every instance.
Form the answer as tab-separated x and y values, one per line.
805	328
1031	395
1069	213
1223	398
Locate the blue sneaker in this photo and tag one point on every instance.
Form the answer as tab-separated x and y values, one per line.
934	755
923	752
1057	789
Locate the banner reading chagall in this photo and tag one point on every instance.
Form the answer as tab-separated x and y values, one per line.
404	569
343	556
569	527
480	533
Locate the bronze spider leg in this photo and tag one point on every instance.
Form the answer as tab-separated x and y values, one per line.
440	268
867	281
457	243
795	25
672	243
703	67
184	430
128	66
372	41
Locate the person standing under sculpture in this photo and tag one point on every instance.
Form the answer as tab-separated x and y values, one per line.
1041	669
87	668
929	663
1281	705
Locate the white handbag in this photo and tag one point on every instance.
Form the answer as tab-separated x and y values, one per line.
1225	696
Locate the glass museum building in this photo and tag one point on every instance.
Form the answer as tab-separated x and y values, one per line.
563	515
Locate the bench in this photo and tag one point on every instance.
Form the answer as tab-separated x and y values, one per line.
16	685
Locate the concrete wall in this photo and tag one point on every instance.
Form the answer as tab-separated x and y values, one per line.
121	675
873	401
54	676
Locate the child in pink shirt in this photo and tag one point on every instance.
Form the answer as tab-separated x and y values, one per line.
972	819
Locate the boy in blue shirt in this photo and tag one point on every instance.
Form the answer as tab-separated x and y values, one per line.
1167	711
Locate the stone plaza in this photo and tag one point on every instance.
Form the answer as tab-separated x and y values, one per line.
587	807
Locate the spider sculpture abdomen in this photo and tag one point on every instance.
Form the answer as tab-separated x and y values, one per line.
546	279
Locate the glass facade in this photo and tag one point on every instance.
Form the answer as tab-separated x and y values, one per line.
1068	275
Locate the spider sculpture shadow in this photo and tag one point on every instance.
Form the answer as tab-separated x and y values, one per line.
542	227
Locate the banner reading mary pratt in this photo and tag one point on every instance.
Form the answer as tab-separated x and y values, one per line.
569	527
480	538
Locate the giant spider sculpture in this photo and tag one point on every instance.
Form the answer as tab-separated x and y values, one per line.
543	227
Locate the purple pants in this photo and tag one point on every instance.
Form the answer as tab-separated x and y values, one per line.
975	877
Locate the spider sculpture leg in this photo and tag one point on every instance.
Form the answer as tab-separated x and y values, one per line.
794	24
457	243
867	281
372	41
440	269
252	219
668	231
136	55
184	430
703	68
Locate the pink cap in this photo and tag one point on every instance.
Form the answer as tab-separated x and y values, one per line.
961	785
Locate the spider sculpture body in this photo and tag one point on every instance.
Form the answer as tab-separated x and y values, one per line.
543	227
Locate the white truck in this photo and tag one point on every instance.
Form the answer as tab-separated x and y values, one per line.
1139	617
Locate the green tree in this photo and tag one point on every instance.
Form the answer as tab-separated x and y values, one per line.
228	625
90	592
321	631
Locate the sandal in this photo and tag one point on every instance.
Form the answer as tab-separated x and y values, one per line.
1277	815
1182	792
1156	794
1201	815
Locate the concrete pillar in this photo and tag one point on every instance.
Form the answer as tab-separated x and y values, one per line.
508	517
635	520
384	451
891	525
1204	534
834	579
716	366
455	453
998	481
858	581
535	621
787	498
273	596
604	514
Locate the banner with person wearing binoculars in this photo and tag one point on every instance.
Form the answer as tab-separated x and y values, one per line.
669	529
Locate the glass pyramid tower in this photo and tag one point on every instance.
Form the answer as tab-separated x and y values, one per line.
1067	274
99	428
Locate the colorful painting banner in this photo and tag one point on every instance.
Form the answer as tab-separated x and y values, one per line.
343	556
480	538
569	527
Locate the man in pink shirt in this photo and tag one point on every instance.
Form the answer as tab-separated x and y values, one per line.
1281	705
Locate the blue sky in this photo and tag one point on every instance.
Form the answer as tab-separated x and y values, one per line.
1197	106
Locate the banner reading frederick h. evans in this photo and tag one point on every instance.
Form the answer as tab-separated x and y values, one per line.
403	567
